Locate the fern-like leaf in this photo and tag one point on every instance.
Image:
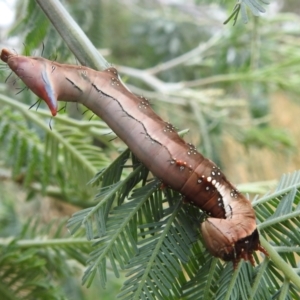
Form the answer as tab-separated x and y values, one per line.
63	156
37	253
256	7
153	236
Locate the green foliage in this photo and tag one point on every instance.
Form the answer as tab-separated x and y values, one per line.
273	138
256	7
133	226
64	157
31	267
36	32
152	237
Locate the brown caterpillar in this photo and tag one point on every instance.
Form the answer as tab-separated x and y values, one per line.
230	230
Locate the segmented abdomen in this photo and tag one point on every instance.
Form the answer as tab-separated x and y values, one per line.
230	231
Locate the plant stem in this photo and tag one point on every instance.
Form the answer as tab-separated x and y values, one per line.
72	34
285	268
45	242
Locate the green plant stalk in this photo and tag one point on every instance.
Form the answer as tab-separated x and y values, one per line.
258	279
284	291
203	128
45	242
285	268
72	34
276	194
280	219
232	282
264	76
55	192
210	278
286	249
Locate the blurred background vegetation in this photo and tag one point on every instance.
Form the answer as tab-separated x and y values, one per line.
236	90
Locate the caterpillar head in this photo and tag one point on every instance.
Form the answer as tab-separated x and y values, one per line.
230	240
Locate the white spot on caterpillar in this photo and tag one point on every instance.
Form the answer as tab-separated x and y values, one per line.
169	127
209	179
112	70
228	211
84	74
145	100
226	197
144	103
114	81
214	182
192	148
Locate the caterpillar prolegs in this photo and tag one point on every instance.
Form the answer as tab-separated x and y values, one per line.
229	231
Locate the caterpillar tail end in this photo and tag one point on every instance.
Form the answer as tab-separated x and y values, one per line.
47	93
4	54
33	72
